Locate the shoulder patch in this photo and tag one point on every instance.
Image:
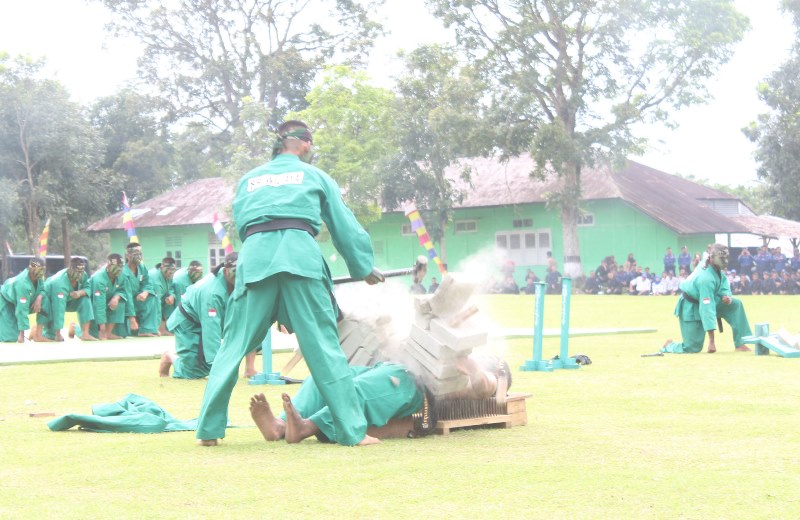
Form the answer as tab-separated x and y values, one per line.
212	313
23	299
706	300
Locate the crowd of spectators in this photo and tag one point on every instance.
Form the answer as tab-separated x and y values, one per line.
769	271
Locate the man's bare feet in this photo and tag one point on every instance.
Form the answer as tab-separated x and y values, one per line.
59	337
163	366
743	348
297	428
148	335
367	440
208	442
271	427
87	337
113	336
712	349
71	330
41	339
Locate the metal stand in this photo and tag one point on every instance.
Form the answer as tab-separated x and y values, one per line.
563	361
267	376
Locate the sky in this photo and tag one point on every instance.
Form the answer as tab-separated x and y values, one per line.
708	143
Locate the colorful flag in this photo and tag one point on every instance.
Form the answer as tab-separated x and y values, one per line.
43	239
424	239
127	220
8	246
219	230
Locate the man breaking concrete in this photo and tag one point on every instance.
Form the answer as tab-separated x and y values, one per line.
705	301
279	207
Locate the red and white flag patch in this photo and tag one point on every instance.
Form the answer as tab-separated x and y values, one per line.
706	300
60	295
212	313
97	293
23	300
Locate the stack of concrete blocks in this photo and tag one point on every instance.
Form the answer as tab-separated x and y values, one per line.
362	337
441	334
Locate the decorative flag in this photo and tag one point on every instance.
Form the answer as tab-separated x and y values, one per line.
127	220
8	246
221	235
424	239
43	239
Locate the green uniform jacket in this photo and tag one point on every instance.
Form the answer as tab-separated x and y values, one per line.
301	192
134	284
57	300
707	287
205	303
103	289
17	294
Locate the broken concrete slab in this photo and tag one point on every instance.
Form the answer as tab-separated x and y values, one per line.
460	339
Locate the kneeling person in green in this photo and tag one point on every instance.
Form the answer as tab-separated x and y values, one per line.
705	299
152	309
108	291
19	297
66	291
197	324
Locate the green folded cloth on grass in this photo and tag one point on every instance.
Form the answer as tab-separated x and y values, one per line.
131	414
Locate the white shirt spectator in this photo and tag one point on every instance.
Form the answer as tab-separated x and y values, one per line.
642	284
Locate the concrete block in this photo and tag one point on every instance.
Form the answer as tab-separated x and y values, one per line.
431	365
452	295
440	387
435	347
460	339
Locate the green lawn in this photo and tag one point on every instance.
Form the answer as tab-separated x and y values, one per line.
692	436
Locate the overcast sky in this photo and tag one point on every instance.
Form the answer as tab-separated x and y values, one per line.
708	143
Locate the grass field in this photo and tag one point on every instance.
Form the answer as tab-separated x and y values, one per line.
681	436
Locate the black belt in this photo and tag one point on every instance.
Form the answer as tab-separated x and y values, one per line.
278	224
692	300
186	314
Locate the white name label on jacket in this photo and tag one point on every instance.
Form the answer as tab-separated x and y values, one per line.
280	179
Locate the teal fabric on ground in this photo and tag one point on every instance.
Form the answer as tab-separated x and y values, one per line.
707	287
132	414
205	302
102	291
57	300
385	391
17	295
282	275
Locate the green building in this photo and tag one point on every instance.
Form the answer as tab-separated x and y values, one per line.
503	217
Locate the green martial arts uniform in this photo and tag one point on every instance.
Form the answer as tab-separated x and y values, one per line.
150	312
385	391
102	290
197	325
699	306
16	298
57	301
131	414
134	284
281	275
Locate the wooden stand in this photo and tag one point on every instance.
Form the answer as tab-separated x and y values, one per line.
517	415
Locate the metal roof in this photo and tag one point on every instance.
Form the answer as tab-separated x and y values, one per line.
194	203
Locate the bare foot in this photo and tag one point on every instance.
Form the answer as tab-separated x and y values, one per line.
163	366
208	442
71	330
712	349
41	339
250	373
272	428
113	336
367	440
148	335
297	428
87	337
59	337
742	348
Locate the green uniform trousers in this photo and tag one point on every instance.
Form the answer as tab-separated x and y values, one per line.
384	391
56	307
187	347
148	314
305	305
117	317
693	333
8	322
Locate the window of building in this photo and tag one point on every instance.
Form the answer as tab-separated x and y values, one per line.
466	226
522	223
176	255
216	255
524	247
377	247
406	230
586	219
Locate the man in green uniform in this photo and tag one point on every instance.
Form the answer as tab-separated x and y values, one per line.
182	279
162	295
279	207
136	280
107	292
197	324
66	291
20	296
706	297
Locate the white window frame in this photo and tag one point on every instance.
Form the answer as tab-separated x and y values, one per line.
523	254
465	222
583	218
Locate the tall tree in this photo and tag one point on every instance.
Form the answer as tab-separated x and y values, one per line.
210	57
439	120
47	147
580	73
777	133
353	125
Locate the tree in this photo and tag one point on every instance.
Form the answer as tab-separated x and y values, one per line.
777	133
580	73
47	147
439	120
353	124
211	58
